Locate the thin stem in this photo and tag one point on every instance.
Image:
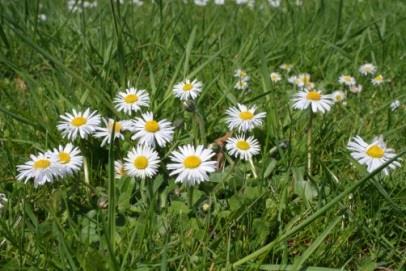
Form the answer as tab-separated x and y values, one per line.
190	196
254	172
309	143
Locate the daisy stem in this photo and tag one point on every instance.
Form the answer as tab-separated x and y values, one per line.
254	172
190	196
201	126
309	143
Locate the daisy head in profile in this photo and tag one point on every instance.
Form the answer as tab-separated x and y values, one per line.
150	131
356	88
244	118
192	165
312	98
394	105
78	124
142	162
187	89
338	96
241	74
275	77
303	80
378	80
373	154
42	168
106	131
131	100
68	158
286	67
119	169
242	147
347	80
367	68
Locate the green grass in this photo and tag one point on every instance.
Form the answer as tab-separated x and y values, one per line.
338	218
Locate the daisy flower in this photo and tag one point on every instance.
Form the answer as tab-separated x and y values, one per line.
241	85
395	105
131	100
187	89
347	80
293	80
372	155
68	158
150	131
241	75
191	164
356	88
106	131
201	3
338	96
119	169
43	168
142	162
78	124
367	68
275	77
318	102
378	80
303	81
243	118
241	147
219	2
286	67
274	3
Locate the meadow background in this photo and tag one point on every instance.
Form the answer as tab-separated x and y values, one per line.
282	220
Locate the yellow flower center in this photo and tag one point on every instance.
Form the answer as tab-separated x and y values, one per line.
117	127
243	145
141	162
151	126
131	98
306	80
246	115
192	161
339	97
347	78
313	96
379	78
78	121
64	157
42	164
187	87
375	151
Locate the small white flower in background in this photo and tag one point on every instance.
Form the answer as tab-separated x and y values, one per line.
138	2
131	100
187	90
347	80
106	131
274	3
286	67
192	165
275	77
241	85
119	169
201	2
367	68
356	88
78	124
242	147
293	80
3	200
43	168
150	131
299	2
219	2
244	118
378	80
315	99
395	105
338	96
42	17
142	162
241	74
241	2
304	81
372	155
87	4
68	157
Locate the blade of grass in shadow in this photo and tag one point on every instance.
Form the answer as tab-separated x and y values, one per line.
188	51
315	215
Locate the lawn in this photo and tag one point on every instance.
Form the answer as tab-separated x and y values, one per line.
291	192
